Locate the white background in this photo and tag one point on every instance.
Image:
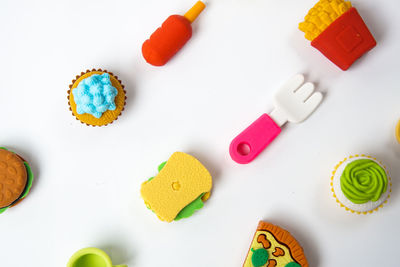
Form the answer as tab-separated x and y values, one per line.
86	191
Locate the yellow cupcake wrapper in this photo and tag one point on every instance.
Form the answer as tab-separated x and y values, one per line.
348	209
83	73
398	131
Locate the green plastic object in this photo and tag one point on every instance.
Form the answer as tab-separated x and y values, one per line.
91	257
190	209
29	182
363	180
28	186
260	257
161	166
292	264
3	209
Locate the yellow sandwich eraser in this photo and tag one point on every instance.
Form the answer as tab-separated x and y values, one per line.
182	180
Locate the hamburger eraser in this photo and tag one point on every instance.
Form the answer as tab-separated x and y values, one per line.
16	179
337	30
179	189
273	246
173	34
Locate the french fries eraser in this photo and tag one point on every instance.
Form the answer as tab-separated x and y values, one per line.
337	30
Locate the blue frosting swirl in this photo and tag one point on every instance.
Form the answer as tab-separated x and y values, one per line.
95	95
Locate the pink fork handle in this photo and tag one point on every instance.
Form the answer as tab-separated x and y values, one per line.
248	144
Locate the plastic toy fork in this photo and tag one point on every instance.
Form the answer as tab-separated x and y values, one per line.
293	102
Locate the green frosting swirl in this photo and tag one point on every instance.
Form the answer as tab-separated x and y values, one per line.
363	180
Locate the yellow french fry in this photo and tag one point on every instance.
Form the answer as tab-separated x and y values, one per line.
321	15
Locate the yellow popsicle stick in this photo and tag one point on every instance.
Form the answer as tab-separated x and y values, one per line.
195	11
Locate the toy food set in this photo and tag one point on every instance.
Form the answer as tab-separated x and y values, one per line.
167	40
96	97
293	102
16	179
273	246
361	184
398	131
337	30
91	257
179	189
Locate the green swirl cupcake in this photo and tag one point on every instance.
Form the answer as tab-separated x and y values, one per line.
361	184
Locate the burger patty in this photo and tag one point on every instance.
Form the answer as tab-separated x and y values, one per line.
13	177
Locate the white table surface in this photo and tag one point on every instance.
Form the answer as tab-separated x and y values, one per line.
86	191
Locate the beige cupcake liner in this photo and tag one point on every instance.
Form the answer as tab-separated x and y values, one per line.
348	209
83	73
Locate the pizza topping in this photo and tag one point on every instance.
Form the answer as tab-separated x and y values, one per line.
260	257
264	241
271	263
278	252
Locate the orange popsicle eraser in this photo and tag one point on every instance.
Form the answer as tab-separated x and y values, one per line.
173	34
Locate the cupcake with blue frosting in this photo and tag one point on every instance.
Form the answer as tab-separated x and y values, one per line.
361	184
96	97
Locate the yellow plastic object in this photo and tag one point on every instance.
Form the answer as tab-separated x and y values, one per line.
91	257
321	16
181	181
206	196
195	11
398	131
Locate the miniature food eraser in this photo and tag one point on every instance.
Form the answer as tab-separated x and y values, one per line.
167	40
361	184
337	30
91	257
16	179
179	189
273	246
96	97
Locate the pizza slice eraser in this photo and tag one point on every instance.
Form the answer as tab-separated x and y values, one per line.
293	102
167	40
337	30
179	189
273	246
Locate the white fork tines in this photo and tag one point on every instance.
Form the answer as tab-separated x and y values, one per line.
295	101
